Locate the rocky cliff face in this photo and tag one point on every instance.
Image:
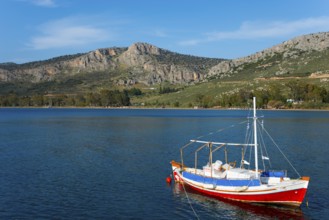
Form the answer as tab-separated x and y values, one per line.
288	50
144	60
98	60
140	61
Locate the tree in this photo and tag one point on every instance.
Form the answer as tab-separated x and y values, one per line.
13	99
275	93
135	92
105	97
315	93
199	99
176	104
262	98
277	104
80	100
24	101
93	99
37	100
164	90
297	90
114	98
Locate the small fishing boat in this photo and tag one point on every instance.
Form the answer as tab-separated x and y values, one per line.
243	183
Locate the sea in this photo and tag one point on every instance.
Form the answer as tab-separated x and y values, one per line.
66	163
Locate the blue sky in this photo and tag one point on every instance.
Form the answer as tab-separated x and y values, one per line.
34	30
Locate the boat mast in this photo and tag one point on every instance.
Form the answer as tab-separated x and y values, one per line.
255	137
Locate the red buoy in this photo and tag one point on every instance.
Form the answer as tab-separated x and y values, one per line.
168	179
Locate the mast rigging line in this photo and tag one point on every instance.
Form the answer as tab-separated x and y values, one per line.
220	130
277	146
263	145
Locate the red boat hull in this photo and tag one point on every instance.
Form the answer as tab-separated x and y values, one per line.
292	197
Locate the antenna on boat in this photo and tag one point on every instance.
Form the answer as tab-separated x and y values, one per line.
255	137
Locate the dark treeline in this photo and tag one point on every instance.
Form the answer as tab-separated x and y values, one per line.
294	94
104	98
166	89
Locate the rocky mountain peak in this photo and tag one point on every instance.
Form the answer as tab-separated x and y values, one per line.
317	41
293	49
143	48
138	54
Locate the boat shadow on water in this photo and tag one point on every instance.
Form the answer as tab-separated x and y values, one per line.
229	208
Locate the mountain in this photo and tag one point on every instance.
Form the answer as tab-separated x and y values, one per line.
300	56
140	63
303	57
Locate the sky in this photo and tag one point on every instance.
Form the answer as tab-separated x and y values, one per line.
33	30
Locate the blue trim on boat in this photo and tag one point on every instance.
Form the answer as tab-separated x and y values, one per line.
220	182
273	173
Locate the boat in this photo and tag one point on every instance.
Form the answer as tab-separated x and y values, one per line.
244	183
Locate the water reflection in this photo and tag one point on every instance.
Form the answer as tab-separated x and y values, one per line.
209	207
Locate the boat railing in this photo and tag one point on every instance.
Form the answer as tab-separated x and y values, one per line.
222	143
213	146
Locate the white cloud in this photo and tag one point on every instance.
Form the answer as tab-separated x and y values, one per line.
260	30
42	3
190	42
45	3
69	32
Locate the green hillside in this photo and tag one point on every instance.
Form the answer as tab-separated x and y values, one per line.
146	76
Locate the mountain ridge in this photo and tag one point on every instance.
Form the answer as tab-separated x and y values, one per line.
289	49
146	64
142	59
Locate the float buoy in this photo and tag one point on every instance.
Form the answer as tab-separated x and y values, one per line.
168	179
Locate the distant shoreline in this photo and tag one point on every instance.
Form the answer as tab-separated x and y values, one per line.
153	108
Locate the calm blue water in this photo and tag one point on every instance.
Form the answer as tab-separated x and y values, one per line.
112	164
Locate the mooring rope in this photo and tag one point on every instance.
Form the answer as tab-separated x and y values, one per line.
188	199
